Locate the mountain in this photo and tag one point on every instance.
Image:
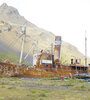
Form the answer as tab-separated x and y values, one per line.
11	23
11	15
69	51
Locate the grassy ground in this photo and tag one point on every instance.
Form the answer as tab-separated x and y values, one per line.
43	89
13	58
10	56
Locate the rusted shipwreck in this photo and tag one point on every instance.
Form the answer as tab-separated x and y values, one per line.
45	64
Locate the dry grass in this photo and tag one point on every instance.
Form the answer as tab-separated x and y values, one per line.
43	89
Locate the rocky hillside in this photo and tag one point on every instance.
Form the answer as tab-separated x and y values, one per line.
11	15
11	23
69	51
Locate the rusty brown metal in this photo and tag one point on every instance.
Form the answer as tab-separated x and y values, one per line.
46	60
57	48
12	70
45	67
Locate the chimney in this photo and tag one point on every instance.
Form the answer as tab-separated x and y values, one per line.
57	48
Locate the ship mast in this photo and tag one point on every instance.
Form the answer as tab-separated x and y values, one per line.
23	40
85	49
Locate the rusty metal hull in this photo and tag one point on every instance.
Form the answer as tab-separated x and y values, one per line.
11	70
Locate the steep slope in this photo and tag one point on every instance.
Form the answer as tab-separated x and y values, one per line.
11	23
10	30
69	51
11	15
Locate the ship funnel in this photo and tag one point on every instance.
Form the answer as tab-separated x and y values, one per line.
57	48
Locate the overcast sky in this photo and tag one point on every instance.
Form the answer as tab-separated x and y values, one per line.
67	18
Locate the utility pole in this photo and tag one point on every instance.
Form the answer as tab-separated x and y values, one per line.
23	40
85	49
